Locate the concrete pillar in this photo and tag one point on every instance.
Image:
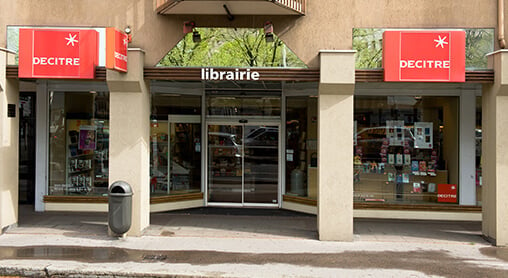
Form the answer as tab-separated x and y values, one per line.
467	152
495	152
335	145
9	132
129	134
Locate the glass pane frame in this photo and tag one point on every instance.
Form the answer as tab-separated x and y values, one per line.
78	143
250	122
165	162
405	182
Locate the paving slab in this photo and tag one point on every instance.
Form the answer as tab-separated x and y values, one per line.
210	243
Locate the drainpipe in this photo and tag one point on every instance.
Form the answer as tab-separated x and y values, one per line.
500	24
7	50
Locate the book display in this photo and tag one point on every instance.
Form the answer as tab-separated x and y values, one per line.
175	150
87	152
159	151
398	162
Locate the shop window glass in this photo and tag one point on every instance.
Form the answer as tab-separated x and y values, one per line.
78	143
406	149
230	106
478	141
368	42
175	145
301	146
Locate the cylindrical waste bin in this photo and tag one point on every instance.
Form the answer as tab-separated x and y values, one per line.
120	207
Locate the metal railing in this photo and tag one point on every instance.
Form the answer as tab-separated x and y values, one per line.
295	5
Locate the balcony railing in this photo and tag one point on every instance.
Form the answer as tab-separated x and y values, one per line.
238	7
296	5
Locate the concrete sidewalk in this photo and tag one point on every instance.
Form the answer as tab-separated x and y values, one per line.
244	243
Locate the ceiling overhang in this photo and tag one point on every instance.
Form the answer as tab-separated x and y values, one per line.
235	7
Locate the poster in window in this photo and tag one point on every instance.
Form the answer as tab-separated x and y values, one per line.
417	188
405	178
395	132
407	159
391	158
423	135
354	138
87	138
399	159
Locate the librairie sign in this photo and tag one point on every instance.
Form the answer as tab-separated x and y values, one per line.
116	49
424	56
58	53
234	75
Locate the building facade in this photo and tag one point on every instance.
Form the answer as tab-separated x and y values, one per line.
335	138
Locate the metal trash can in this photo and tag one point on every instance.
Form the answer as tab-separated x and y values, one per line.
120	207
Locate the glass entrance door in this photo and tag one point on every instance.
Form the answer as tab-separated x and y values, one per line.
243	164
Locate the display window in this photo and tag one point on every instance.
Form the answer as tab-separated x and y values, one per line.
175	145
301	146
406	149
478	152
78	143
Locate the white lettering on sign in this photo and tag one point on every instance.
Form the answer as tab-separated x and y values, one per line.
55	61
211	74
446	196
424	64
120	56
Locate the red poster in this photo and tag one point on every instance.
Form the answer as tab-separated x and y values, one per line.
57	53
447	193
424	56
116	49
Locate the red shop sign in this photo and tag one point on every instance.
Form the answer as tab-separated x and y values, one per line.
447	193
116	49
57	53
424	56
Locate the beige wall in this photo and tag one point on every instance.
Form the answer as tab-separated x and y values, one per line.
335	145
328	24
8	149
129	138
495	153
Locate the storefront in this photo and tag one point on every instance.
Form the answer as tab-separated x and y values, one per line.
248	156
250	139
330	138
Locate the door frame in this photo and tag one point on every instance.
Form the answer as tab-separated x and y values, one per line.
184	119
243	121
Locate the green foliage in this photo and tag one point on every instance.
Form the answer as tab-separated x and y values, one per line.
12	40
227	47
369	46
368	42
479	42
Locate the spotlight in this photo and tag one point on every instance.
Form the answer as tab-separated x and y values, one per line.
269	37
230	16
268	31
190	26
128	31
196	37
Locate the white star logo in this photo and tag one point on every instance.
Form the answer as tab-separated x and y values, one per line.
71	39
441	42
